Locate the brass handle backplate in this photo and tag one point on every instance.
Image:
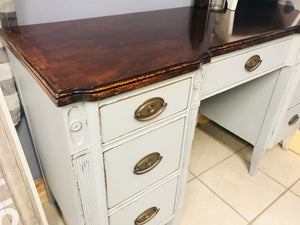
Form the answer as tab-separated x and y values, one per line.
253	63
146	216
147	163
150	109
294	120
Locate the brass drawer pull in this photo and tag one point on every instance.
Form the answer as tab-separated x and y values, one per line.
146	216
147	163
294	120
150	109
253	63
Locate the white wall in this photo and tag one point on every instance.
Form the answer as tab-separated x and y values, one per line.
42	11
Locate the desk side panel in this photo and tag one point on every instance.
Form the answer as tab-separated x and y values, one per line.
48	132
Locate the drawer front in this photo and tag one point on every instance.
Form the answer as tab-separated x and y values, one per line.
125	176
296	98
162	198
226	72
291	123
118	118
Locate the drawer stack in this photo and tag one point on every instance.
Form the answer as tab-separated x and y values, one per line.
291	120
143	145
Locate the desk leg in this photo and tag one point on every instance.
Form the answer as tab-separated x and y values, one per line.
286	142
282	92
257	155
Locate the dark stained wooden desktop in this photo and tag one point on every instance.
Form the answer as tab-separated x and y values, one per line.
92	59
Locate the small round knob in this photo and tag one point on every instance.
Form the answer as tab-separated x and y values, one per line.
197	85
75	126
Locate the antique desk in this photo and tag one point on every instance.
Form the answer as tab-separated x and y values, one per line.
112	102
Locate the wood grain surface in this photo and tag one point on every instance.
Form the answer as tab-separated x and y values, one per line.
92	59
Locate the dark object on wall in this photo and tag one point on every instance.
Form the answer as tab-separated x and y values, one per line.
8	19
201	3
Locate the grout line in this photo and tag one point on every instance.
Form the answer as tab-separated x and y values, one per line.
192	177
192	173
262	170
236	153
296	154
272	203
293	186
227	157
272	178
233	152
265	173
221	198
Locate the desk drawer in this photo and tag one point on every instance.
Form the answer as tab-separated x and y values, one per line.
161	200
231	71
118	118
296	98
120	163
291	123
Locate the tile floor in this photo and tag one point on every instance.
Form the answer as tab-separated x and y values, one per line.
221	192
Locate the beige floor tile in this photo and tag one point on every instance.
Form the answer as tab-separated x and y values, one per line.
190	176
52	214
283	166
206	152
203	207
285	211
295	143
296	188
249	195
223	136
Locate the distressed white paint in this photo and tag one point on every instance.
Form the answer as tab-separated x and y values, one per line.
226	71
117	118
166	140
163	198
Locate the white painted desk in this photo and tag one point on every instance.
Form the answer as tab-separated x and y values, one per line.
260	102
122	159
